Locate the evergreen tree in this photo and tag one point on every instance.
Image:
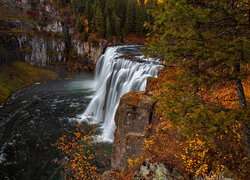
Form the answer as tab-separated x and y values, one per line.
130	16
78	5
115	7
121	14
117	25
210	40
108	28
79	24
139	19
88	10
98	20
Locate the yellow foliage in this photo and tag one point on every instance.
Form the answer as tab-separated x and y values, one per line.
194	152
79	151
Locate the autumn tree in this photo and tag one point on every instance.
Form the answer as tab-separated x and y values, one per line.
210	42
83	157
205	103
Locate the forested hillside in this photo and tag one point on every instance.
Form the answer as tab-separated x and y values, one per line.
107	18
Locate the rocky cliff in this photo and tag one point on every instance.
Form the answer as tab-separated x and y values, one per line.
134	114
23	38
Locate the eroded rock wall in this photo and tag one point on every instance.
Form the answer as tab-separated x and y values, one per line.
24	39
135	113
132	117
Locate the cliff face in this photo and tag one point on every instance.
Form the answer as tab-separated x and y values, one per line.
22	38
132	117
135	113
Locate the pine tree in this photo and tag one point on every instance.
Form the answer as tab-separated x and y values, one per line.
108	28
117	25
121	14
130	16
88	10
78	5
210	40
139	19
79	24
98	20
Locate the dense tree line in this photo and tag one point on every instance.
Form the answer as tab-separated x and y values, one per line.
208	43
109	18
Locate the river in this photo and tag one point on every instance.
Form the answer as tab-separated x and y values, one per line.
34	119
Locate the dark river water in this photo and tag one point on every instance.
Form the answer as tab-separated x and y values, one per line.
33	120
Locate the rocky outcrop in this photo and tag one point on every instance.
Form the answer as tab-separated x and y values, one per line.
39	49
133	115
157	171
91	50
22	39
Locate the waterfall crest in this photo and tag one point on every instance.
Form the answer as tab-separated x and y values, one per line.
116	76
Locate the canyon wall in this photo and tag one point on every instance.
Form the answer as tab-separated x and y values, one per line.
134	114
22	38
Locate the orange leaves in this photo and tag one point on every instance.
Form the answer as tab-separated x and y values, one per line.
133	99
193	152
198	129
226	94
79	151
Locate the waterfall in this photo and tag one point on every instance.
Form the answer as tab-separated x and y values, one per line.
114	77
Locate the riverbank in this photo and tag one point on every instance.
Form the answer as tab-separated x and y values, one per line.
20	75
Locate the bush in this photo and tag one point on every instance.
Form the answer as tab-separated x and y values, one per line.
84	158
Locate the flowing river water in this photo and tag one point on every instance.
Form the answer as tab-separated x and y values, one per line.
33	120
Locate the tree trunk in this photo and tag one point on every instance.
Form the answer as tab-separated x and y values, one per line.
243	105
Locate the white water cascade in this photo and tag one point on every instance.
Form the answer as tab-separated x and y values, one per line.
116	76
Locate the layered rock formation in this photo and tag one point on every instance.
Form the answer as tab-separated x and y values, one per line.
134	114
24	39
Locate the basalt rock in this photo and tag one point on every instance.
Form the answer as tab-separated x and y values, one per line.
135	113
131	120
56	42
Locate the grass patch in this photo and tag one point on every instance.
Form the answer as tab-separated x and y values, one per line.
18	75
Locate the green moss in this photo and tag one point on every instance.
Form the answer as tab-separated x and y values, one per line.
19	75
